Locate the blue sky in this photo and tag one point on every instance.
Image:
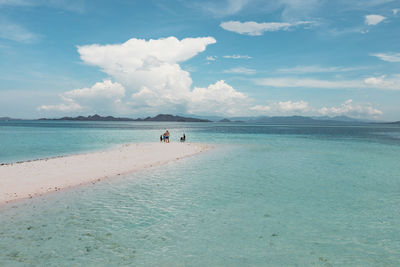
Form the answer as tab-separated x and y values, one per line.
225	58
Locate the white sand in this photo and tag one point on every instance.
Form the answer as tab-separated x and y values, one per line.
33	178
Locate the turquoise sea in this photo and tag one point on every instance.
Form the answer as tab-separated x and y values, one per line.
267	195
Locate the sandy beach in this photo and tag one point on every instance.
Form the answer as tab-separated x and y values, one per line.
34	178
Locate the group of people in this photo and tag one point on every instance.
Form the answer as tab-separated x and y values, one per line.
165	137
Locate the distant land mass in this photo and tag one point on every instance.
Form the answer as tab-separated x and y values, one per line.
228	120
159	117
8	119
88	118
394	122
279	120
169	117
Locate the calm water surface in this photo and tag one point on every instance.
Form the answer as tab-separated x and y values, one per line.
268	195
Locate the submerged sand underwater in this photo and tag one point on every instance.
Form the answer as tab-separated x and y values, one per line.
266	195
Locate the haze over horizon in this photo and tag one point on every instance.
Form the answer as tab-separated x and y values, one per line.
227	58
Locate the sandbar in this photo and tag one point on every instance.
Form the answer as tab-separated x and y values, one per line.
34	178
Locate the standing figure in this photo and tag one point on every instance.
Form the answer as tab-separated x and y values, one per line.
167	136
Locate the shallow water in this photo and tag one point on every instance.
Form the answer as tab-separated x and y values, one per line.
267	195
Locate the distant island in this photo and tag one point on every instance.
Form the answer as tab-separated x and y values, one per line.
256	120
274	120
395	122
88	118
228	120
159	117
8	119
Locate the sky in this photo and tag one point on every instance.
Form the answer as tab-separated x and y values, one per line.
227	58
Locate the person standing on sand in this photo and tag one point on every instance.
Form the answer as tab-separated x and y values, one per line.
161	138
167	136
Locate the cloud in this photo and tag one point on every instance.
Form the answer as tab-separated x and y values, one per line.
69	105
374	19
223	8
365	3
295	9
101	94
395	11
15	32
146	78
351	109
307	83
220	98
261	109
106	89
348	108
77	6
240	70
381	82
290	9
255	29
148	74
238	56
390	57
286	107
315	69
374	80
15	3
283	107
211	58
290	106
149	65
136	54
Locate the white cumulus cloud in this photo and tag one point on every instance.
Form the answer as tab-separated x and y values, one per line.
105	89
349	108
100	97
283	108
290	106
255	29
68	106
381	82
149	66
374	19
218	98
149	79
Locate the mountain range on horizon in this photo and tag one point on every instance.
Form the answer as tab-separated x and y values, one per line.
159	117
187	118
